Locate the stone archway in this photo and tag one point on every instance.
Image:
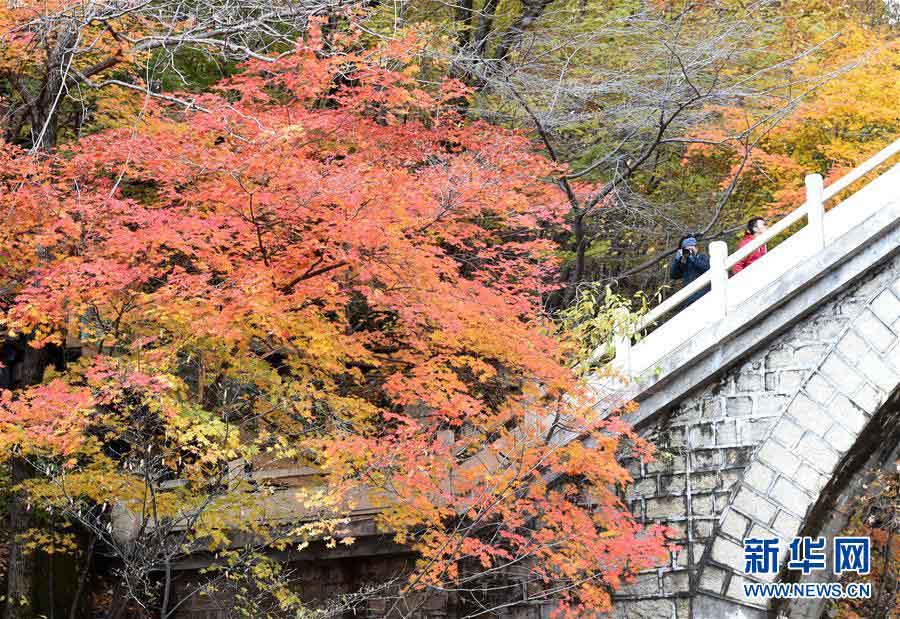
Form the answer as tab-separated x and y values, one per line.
806	457
761	445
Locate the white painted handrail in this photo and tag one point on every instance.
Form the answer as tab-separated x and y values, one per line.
857	173
813	208
783	224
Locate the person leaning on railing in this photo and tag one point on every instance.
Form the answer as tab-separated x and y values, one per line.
689	264
755	227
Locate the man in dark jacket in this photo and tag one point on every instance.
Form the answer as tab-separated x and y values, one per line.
689	264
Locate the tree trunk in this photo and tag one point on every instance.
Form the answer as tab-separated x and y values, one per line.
464	12
45	111
20	572
577	273
485	25
119	603
531	11
86	569
25	366
44	125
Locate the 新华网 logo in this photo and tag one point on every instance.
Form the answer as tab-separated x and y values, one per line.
808	554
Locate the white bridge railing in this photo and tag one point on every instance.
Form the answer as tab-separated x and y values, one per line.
720	261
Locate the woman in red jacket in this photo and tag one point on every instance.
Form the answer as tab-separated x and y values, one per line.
755	227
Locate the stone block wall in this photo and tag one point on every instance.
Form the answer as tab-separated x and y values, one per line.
703	485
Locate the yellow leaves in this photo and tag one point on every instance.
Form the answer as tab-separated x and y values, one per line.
49	541
283	448
327	530
205	436
853	114
116	107
217	539
845	112
101	482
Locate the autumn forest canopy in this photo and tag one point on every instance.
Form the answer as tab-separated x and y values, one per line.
284	278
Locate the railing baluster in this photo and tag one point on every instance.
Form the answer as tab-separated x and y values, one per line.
816	210
718	252
622	361
622	341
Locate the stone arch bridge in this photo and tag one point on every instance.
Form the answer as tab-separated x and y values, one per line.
771	399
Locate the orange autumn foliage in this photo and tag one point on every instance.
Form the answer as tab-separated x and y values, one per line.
841	108
332	268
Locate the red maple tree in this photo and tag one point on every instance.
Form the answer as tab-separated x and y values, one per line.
326	266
